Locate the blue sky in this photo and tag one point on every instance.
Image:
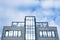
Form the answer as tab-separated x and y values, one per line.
16	10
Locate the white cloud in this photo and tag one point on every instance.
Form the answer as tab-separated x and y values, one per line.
21	2
47	3
50	3
57	20
57	4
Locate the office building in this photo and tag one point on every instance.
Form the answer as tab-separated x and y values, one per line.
30	29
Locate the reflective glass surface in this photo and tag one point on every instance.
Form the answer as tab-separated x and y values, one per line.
43	33
6	33
18	24
53	33
30	28
12	33
15	33
49	33
41	24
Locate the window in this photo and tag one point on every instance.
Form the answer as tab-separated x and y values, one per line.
40	33
10	33
30	18
53	34
14	24
15	33
27	18
27	36
45	24
42	24
32	22
6	34
21	24
49	33
19	33
27	22
44	33
30	28
39	24
32	36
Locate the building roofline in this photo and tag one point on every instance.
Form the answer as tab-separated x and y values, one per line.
17	22
53	26
29	16
41	22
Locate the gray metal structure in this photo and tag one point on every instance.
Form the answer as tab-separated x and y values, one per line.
29	30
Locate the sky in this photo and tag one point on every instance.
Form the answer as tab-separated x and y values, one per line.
43	10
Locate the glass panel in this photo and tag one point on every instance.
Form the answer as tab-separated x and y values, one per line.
27	26
14	24
30	18
6	34
27	18
32	23
37	24
10	33
15	33
30	28
41	24
53	34
40	33
27	36
44	34
19	33
27	23
45	24
32	37
21	24
49	33
27	32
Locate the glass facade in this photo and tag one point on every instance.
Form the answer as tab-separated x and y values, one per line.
19	24
30	28
41	34
12	33
6	33
45	33
42	24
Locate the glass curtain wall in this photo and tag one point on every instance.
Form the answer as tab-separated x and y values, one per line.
30	28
